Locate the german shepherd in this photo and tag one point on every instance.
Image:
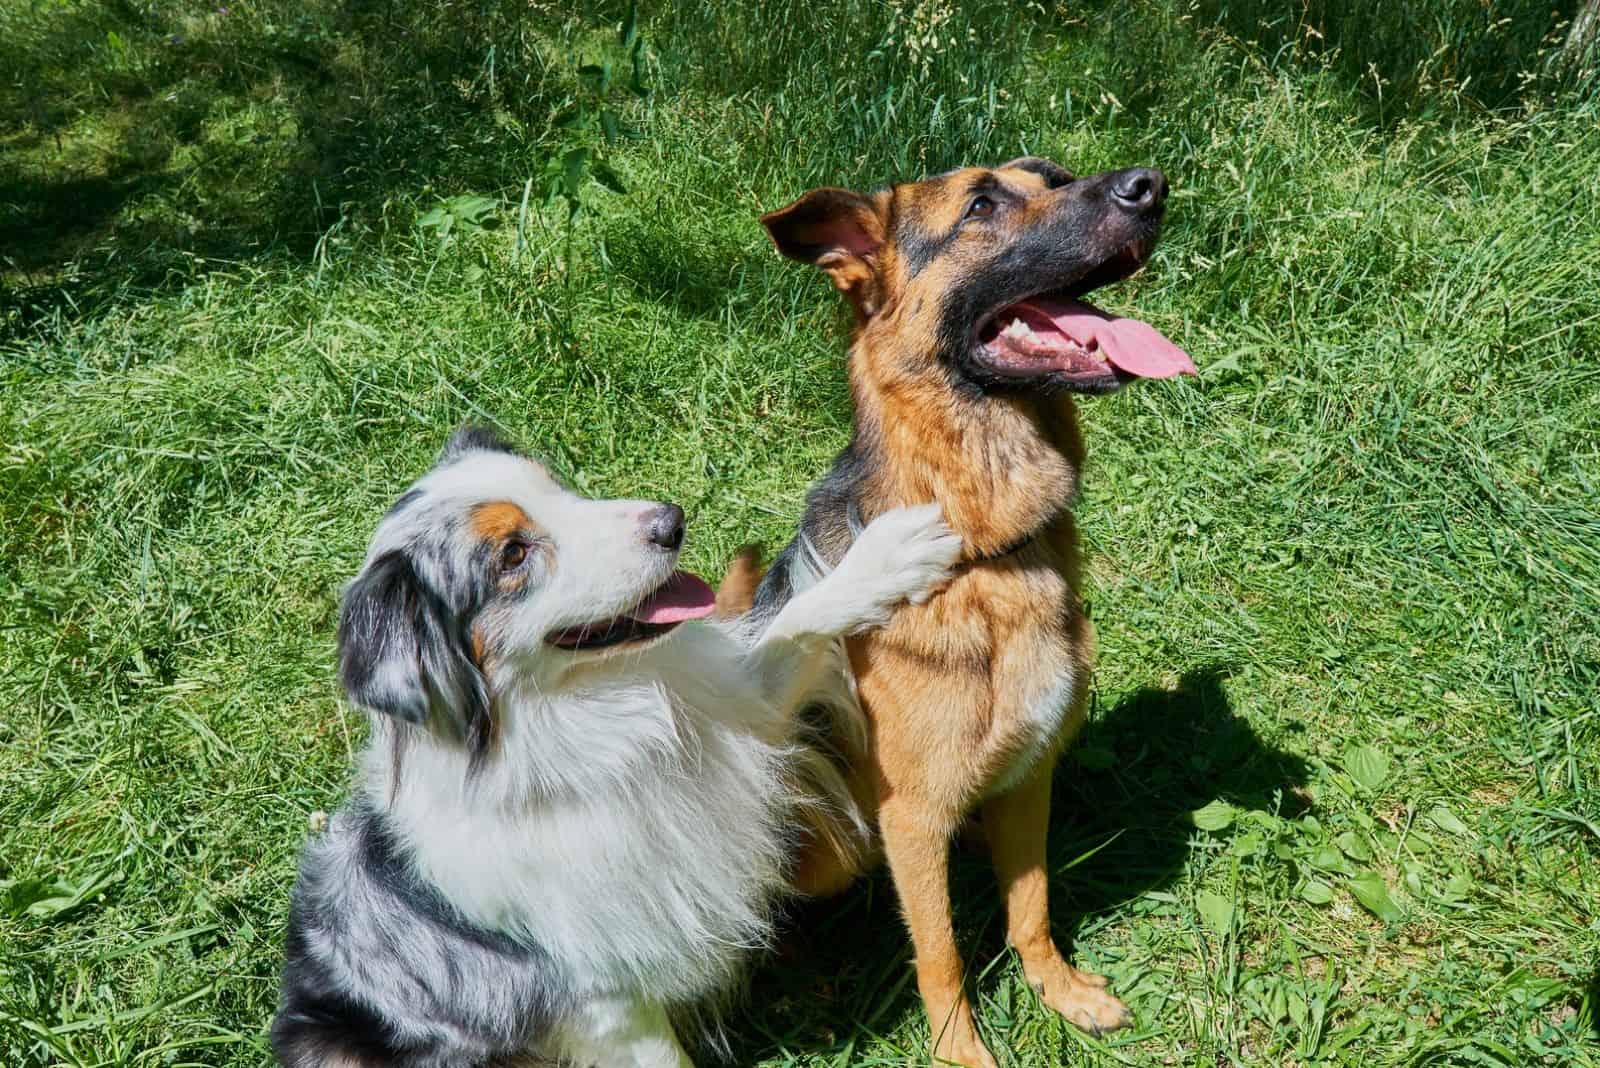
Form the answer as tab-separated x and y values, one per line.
970	340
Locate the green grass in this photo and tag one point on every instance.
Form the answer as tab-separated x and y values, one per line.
1347	585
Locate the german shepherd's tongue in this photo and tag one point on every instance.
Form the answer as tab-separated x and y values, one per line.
1130	345
683	596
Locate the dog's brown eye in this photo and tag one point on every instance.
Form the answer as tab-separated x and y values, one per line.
980	208
513	554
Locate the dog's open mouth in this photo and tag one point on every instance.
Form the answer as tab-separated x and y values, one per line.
1052	332
682	597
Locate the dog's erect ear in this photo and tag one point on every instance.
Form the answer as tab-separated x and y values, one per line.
839	231
474	438
403	652
1053	173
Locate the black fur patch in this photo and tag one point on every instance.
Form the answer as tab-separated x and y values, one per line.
830	504
1055	176
474	437
405	651
485	996
918	248
388	867
319	1022
407	499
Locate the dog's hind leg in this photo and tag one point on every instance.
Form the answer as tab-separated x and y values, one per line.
1017	823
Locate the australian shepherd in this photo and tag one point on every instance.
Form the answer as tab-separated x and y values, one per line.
578	801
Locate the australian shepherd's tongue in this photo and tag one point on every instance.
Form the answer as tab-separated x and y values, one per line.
683	596
1129	345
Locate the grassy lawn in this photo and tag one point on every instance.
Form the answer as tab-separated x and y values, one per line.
1338	800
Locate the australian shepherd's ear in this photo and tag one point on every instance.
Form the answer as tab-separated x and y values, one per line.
403	653
474	437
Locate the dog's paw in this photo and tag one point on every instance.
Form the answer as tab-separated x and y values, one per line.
905	554
1082	998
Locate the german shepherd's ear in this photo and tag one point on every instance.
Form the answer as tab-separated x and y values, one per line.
1054	174
403	653
840	232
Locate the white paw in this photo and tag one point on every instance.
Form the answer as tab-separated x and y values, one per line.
903	555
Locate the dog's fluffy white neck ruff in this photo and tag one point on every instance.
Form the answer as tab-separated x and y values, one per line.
631	824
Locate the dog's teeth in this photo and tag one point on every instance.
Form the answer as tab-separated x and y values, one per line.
1018	328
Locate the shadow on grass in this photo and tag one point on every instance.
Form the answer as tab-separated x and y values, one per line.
138	143
1126	789
696	277
1400	58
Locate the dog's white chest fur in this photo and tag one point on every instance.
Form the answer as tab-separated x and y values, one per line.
654	867
1039	728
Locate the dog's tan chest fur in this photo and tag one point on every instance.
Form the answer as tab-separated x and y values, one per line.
970	690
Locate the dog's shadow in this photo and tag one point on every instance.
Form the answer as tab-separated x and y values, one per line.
1120	828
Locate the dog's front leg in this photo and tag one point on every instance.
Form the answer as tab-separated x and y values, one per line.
903	555
620	1032
1016	824
917	844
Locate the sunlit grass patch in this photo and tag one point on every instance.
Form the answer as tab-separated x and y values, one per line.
1335	803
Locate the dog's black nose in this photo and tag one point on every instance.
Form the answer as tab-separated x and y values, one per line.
1139	190
664	526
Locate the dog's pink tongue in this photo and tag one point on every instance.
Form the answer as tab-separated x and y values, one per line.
1130	344
684	596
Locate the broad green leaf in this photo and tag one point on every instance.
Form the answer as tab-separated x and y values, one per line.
1330	859
18	896
1297	1007
1277	1001
1353	846
1370	889
1447	821
470	207
1317	892
574	165
1367	765
54	899
1248	844
1216	910
637	82
1216	816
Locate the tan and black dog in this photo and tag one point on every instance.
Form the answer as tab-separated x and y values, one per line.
970	341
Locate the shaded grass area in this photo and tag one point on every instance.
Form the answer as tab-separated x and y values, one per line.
1335	804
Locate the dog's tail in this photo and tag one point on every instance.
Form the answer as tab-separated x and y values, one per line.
737	593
